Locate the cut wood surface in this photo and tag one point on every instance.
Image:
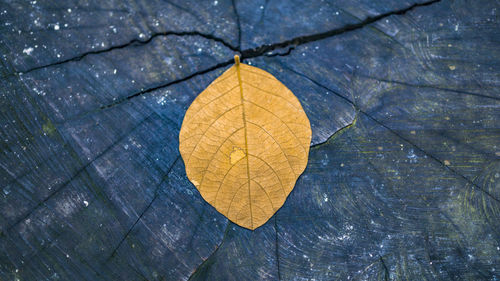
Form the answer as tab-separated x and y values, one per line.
403	176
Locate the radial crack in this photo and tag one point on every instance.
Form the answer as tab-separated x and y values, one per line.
386	270
277	247
148	90
441	163
428	86
389	182
249	53
238	22
200	218
155	196
76	174
376	29
135	42
290	49
338	132
258	51
207	260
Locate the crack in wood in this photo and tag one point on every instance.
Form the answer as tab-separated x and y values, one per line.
238	22
270	54
215	67
337	133
277	246
245	54
386	270
400	136
251	53
133	42
376	29
390	183
196	228
258	51
446	217
206	262
419	86
74	176
155	196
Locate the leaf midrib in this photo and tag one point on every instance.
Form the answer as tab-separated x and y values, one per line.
237	65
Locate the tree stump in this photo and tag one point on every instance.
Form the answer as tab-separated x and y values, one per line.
403	180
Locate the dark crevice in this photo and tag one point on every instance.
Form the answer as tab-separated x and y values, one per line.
460	253
431	156
208	259
223	64
341	130
144	278
421	150
386	270
43	246
74	176
185	10
277	247
324	87
251	53
360	272
138	42
447	218
487	155
428	86
430	255
337	133
238	23
290	49
197	227
262	50
376	29
155	196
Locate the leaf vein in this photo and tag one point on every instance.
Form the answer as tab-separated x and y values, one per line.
213	155
272	169
204	133
281	149
268	197
284	123
211	101
273	94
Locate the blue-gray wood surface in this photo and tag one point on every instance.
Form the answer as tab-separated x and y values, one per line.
403	180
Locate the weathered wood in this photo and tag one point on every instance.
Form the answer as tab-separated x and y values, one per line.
403	176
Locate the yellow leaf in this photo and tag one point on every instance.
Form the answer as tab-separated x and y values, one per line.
245	140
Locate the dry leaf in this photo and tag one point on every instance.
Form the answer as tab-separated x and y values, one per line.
245	140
